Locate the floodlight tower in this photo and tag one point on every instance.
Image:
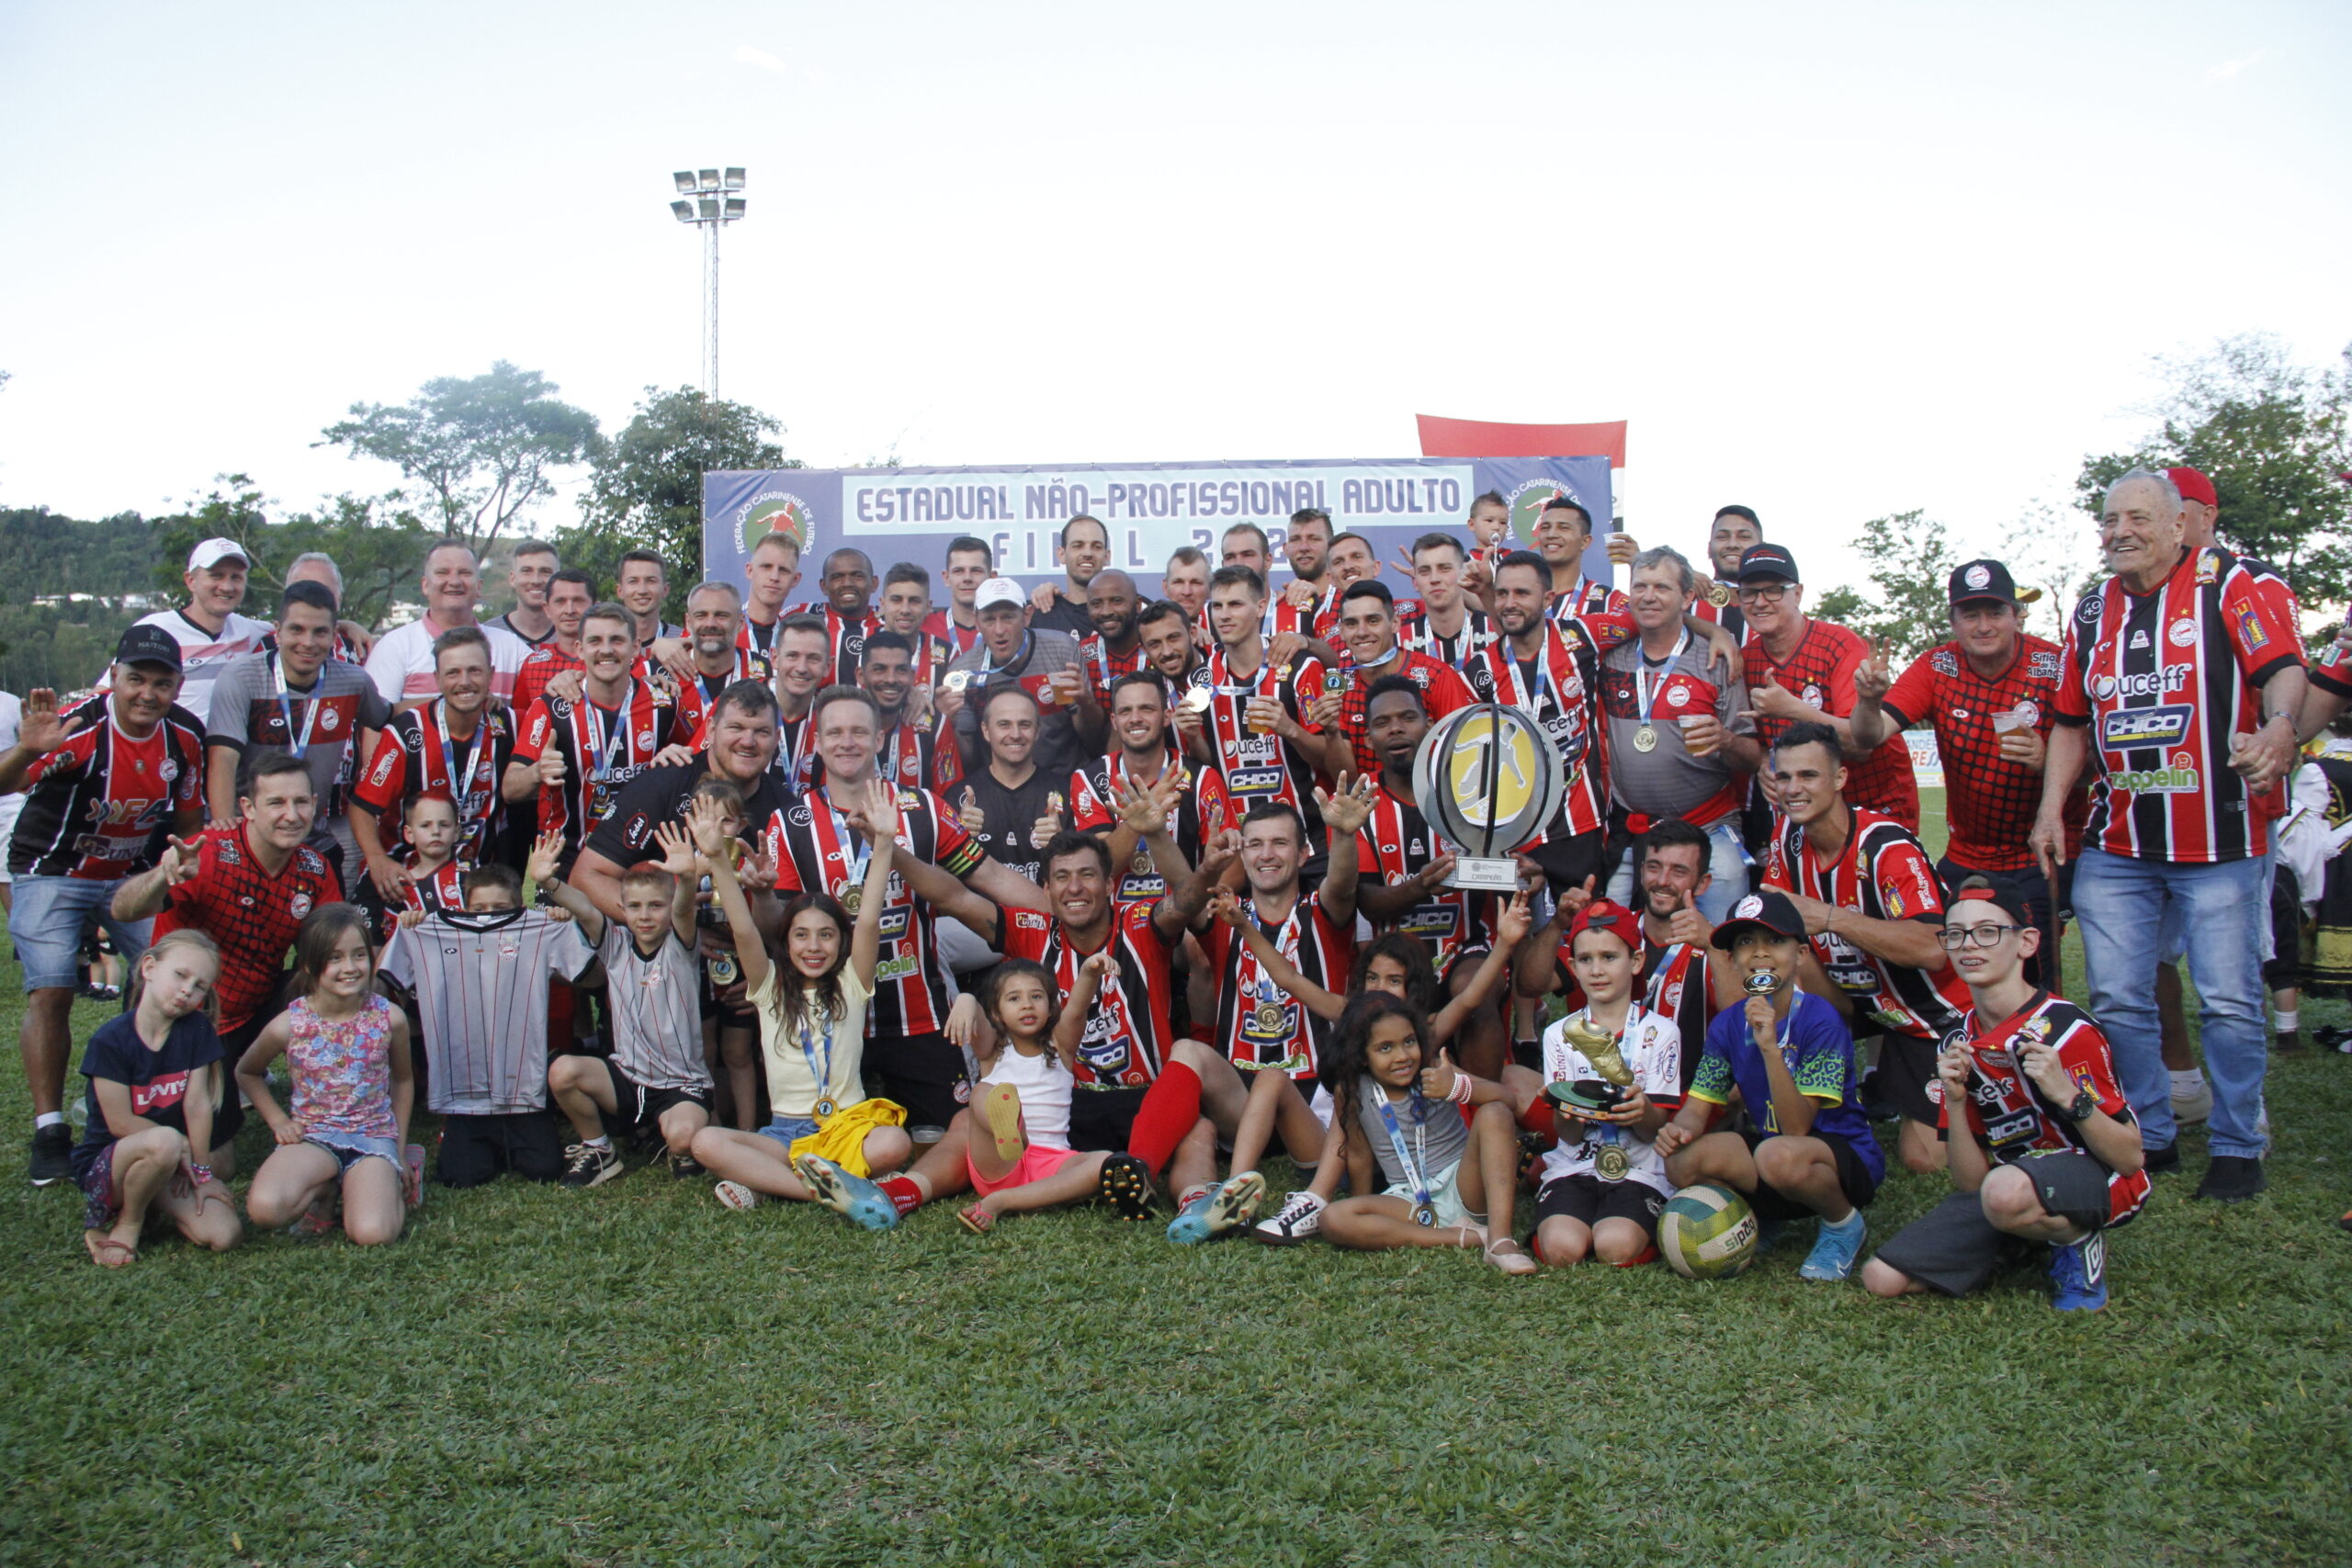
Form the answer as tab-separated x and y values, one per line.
708	199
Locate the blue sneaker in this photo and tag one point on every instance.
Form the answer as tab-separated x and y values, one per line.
2078	1274
1219	1207
854	1198
1834	1249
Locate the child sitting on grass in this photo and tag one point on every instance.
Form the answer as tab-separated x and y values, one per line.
658	1077
347	1051
812	998
155	1079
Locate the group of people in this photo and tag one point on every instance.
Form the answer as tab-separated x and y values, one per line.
1048	896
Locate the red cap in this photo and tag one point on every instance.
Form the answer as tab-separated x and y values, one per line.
2193	486
1615	918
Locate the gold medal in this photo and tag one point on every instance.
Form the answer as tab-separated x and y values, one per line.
1646	738
824	1108
1612	1162
851	897
1196	699
955	680
1719	595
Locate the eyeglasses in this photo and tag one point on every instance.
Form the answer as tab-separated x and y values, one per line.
1951	939
1770	593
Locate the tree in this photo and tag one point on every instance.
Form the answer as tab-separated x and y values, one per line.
646	493
2275	438
1909	564
485	448
377	542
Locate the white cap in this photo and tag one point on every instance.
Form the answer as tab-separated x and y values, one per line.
998	591
212	552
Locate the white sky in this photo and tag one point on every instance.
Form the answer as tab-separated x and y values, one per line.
1830	261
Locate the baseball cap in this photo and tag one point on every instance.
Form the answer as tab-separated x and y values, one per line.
2000	893
212	552
998	591
1769	910
148	645
1615	918
2193	486
1984	580
1768	563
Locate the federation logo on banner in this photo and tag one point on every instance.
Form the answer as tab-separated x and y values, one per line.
775	512
1527	504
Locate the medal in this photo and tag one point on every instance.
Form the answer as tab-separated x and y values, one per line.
955	680
1646	738
1719	595
1611	1164
824	1108
1194	701
1646	688
1424	1214
851	897
722	969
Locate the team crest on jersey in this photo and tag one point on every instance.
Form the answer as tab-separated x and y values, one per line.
645	739
168	770
1896	907
2041	665
2250	627
1678	693
299	906
328	719
1943	663
2208	567
2180	634
1673	998
2029	712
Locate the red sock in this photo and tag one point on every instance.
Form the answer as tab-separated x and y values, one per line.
1538	1118
903	1192
1170	1108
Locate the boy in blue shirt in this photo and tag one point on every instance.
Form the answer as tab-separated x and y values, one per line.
1788	1054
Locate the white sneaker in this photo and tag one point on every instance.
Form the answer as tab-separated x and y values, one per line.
2192	1104
1297	1220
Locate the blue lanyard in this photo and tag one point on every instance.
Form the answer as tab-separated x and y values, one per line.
286	705
988	660
1414	1177
610	742
824	1075
460	787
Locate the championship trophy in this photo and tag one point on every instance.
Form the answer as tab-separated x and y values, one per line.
1488	778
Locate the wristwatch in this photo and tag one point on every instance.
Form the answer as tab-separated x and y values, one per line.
2080	1107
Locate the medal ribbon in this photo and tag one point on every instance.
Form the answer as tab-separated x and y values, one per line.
1645	690
286	705
1414	1177
854	868
1248	975
823	1076
461	784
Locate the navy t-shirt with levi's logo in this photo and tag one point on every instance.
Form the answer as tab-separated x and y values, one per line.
158	1080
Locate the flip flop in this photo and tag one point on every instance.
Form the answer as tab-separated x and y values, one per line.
977	1219
999	1110
103	1248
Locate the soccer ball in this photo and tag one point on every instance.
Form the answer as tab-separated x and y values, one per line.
1707	1232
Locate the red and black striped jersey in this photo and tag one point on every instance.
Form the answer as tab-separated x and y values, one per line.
602	748
958	638
1259	1024
1883	873
1104	666
249	914
416	757
2007	1111
1557	689
1587	597
1443	692
1128	1032
1479	632
1263	768
1820	671
1719	606
796	761
1094	808
1327	620
817	850
846	634
2165	679
1394	846
442	887
755	648
1989	801
93	806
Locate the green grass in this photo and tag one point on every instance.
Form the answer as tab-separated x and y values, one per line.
636	1375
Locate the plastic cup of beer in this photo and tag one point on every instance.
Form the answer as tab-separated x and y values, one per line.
2003	723
1689	721
1249	715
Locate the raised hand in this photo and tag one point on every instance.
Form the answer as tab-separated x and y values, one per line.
1226	904
707	819
1576	899
1622	548
546	851
1220	851
1326	710
551	769
969	813
1437	1078
1515	920
1873	679
1098	967
1144	810
678	857
1687	926
1347	808
178	862
881	809
42	730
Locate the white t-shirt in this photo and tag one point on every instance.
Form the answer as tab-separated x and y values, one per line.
1653	1048
826	1063
1044	1086
401	665
203	654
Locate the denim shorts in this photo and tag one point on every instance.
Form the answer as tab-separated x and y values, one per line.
790	1130
47	916
350	1148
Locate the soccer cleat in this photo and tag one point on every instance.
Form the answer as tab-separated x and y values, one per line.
2233	1178
1127	1183
735	1195
854	1198
2078	1274
1297	1220
2161	1161
585	1166
52	1154
1834	1249
1222	1206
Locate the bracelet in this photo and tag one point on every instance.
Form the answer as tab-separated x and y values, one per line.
203	1173
1460	1093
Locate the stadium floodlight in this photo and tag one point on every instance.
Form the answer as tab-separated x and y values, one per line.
710	210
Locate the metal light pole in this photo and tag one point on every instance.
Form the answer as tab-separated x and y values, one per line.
707	200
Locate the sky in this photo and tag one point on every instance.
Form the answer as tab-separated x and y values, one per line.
1833	262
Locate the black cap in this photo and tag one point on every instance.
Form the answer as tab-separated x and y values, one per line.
1768	563
1769	910
1984	580
1997	891
148	645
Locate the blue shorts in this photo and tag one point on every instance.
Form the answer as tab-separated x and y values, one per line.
790	1130
47	916
350	1148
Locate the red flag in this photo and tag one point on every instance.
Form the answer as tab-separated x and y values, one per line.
1481	438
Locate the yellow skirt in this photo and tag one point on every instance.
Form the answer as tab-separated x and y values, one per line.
840	1137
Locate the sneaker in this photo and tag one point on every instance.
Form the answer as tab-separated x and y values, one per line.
1298	1219
2162	1161
1126	1181
2192	1104
854	1198
2290	1044
1220	1207
52	1156
735	1195
2233	1178
685	1168
1834	1249
2078	1274
585	1165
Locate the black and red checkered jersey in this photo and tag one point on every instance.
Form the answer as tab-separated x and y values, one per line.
1989	800
1477	631
1557	689
416	757
249	914
815	849
93	806
1883	873
603	749
2165	679
1820	671
1128	1032
1262	768
1259	1025
2008	1113
1443	692
1199	812
1102	666
1394	846
542	664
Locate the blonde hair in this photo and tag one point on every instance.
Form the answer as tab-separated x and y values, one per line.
189	939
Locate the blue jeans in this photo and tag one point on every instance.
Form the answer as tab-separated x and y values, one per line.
47	916
2122	906
1727	863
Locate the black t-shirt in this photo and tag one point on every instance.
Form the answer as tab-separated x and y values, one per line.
1067	614
158	1079
1012	813
666	795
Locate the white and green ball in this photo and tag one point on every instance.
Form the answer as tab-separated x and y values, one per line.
1707	1232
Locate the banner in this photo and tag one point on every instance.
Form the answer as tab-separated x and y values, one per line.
1443	437
1927	762
1149	509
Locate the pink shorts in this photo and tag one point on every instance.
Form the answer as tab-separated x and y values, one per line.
1038	1162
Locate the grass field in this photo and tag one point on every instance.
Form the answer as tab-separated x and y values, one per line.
636	1375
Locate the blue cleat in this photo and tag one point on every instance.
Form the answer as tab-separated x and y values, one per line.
855	1199
1834	1249
2078	1274
1220	1207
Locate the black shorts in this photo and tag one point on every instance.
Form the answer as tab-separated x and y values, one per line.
1464	962
475	1150
1907	1066
924	1073
1854	1179
1590	1200
1568	862
1953	1248
2283	970
640	1108
731	1012
1104	1118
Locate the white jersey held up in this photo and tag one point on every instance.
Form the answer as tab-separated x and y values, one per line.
481	982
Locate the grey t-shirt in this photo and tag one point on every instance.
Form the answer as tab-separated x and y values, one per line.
1667	781
1433	1144
1058	751
322	726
